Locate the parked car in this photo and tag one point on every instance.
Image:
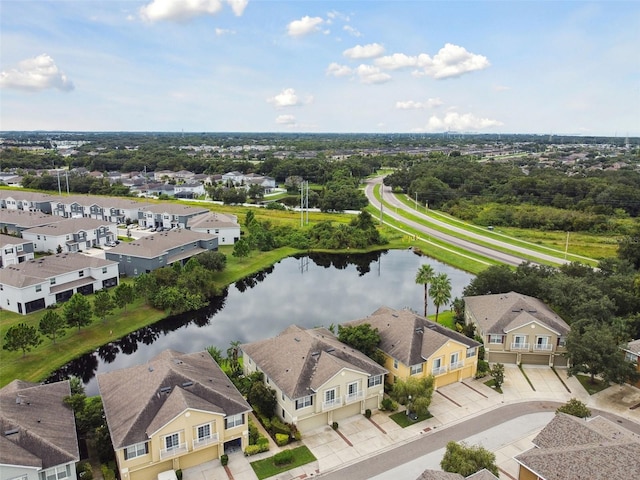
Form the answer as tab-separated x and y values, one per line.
110	244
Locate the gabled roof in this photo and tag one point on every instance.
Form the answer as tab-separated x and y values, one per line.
502	312
633	347
69	226
151	246
9	240
313	357
213	220
410	338
43	426
570	448
24	219
483	474
140	400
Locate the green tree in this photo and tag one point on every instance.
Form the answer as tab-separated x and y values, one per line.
77	311
233	357
21	337
361	337
241	249
497	372
216	354
414	393
124	294
214	261
440	291
424	277
52	325
263	399
103	305
145	285
592	349
576	408
467	460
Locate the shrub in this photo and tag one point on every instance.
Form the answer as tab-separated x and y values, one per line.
284	457
84	471
224	459
576	408
295	433
266	423
483	368
107	473
179	474
277	426
367	413
254	434
334	425
252	450
282	439
263	442
389	405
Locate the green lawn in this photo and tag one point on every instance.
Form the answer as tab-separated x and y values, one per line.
266	468
592	388
402	419
492	384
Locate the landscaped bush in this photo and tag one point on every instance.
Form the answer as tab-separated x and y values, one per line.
277	426
284	457
282	439
107	473
254	434
389	405
263	442
253	450
367	413
295	433
84	471
266	423
224	459
483	368
334	425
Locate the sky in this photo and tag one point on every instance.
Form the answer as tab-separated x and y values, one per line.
368	66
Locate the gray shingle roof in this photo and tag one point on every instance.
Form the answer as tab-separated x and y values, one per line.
569	448
139	400
45	426
299	361
69	226
174	209
439	475
24	219
9	240
408	337
213	220
634	347
151	246
502	312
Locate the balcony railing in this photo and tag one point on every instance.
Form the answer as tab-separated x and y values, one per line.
172	452
354	397
545	347
456	366
439	370
519	346
331	404
203	442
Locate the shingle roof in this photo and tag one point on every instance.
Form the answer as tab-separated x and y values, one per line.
312	357
44	426
141	399
634	347
24	219
69	226
502	312
408	337
569	448
9	240
439	475
151	246
174	209
213	220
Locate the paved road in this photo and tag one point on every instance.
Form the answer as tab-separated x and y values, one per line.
510	259
437	439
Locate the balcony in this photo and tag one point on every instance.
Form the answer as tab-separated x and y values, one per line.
203	442
331	404
456	366
172	452
519	346
439	370
546	347
354	397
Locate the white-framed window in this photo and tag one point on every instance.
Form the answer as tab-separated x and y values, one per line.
562	341
374	380
19	248
234	421
495	338
330	396
38	288
81	273
52	281
519	340
395	363
471	352
137	450
542	342
56	473
454	358
416	369
631	357
304	402
172	441
352	389
104	269
203	432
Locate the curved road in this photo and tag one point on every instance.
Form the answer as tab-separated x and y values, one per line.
508	258
437	439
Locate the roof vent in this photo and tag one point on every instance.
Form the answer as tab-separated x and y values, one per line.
315	354
419	330
150	368
296	339
394	315
13	431
165	389
187	384
330	350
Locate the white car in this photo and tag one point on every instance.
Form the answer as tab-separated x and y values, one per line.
110	244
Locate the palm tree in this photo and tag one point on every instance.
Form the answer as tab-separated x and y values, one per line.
440	291
424	277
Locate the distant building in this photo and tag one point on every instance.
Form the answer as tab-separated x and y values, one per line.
15	221
27	201
14	250
168	215
71	235
224	226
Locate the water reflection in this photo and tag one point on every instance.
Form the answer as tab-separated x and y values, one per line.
318	289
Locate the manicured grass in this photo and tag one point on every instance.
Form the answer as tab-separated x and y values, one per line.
591	388
492	384
266	468
402	419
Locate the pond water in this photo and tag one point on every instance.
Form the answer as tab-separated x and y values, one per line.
314	290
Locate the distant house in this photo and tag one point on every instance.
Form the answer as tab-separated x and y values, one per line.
518	328
632	354
27	201
14	250
176	411
36	284
192	190
111	209
159	250
224	226
71	235
38	439
414	346
570	448
168	215
320	380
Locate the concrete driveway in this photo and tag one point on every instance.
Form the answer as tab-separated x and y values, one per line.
544	384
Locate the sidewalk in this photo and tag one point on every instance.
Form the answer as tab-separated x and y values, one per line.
360	438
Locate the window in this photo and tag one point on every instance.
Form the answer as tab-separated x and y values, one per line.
495	338
38	237
81	273
204	432
128	259
454	360
136	450
352	390
19	248
471	352
52	281
562	341
519	341
395	363
38	288
631	357
56	473
171	442
330	396
416	369
375	380
234	421
438	368
542	343
104	269
304	402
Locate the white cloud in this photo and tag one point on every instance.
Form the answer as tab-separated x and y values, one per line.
351	31
413	105
459	122
38	73
304	26
337	70
289	98
371	50
397	60
371	74
222	31
181	10
288	120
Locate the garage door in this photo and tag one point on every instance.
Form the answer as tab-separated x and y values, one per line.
312	423
535	359
346	411
560	361
502	357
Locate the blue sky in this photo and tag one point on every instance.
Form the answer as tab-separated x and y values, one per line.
305	66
